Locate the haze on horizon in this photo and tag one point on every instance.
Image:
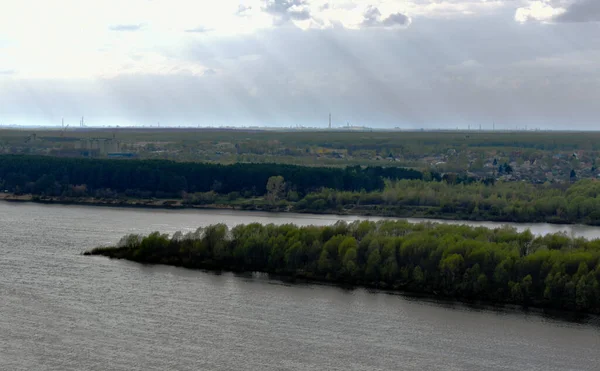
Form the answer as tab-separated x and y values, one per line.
391	63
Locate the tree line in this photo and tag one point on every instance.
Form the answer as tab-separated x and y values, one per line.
55	176
389	191
502	201
462	262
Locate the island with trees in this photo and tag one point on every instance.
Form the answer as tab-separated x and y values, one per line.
450	261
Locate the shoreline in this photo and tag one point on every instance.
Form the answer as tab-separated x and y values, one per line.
298	278
177	204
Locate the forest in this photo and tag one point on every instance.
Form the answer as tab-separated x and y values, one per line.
446	199
502	201
461	262
387	191
54	176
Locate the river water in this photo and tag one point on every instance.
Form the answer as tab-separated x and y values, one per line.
60	310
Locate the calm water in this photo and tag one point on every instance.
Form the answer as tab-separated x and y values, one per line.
63	311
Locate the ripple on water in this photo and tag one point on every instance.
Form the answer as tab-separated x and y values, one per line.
63	311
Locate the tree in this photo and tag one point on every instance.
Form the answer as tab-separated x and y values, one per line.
451	267
418	276
373	262
500	265
275	188
516	293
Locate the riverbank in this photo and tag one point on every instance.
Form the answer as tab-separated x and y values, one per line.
112	202
302	279
259	204
452	261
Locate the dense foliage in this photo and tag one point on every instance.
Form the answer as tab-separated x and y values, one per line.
57	176
502	201
463	262
390	191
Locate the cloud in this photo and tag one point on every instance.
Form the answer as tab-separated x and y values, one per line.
299	14
372	18
381	78
539	11
581	11
397	19
199	29
7	72
286	10
243	10
125	27
439	72
560	11
282	6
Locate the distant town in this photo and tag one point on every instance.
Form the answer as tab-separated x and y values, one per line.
524	155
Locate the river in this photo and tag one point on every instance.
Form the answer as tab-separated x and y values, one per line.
60	310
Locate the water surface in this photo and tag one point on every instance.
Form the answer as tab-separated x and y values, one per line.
63	311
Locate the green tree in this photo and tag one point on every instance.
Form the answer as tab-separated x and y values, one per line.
451	268
457	261
373	263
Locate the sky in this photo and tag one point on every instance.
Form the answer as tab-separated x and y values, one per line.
379	63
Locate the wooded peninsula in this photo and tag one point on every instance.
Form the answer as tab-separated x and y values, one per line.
459	262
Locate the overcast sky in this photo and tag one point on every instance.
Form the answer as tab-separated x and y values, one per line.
386	63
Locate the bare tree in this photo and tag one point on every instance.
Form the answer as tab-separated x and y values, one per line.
275	188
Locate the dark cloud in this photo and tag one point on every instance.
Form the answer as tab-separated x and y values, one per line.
126	27
372	18
199	29
581	11
397	19
285	10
